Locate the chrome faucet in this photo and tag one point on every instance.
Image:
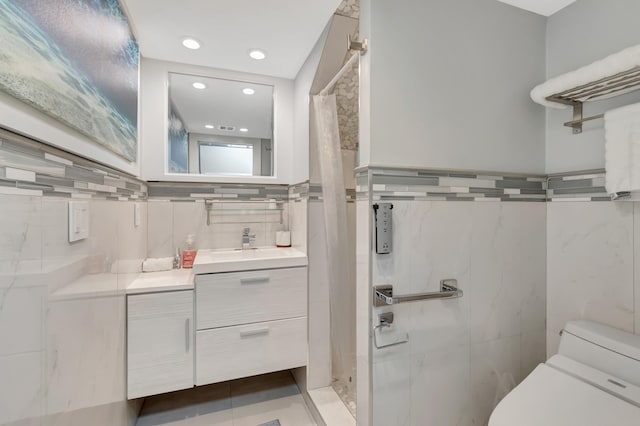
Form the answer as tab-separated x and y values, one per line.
248	240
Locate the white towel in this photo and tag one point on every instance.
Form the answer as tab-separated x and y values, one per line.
157	264
622	149
613	64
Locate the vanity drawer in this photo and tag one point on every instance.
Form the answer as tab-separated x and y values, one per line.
246	350
253	296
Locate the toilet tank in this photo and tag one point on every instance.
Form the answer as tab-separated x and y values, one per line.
604	348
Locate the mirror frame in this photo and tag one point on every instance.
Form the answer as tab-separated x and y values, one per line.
154	89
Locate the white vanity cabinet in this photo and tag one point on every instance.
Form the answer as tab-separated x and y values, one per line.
160	342
250	322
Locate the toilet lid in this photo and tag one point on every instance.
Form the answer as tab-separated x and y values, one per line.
551	398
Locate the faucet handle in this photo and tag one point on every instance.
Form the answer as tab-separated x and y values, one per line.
245	231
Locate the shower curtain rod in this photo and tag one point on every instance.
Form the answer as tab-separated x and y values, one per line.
340	73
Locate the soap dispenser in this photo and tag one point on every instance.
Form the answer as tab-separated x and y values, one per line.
189	254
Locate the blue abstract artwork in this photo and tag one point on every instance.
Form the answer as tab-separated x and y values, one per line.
76	61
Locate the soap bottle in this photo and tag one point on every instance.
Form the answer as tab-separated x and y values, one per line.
189	254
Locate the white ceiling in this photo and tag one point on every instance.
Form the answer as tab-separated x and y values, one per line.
222	102
286	29
541	7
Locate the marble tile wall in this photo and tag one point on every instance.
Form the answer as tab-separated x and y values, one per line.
62	305
171	221
464	355
178	209
592	258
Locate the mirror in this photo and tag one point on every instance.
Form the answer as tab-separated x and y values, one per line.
219	127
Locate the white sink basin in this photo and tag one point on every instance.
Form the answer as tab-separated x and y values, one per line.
214	261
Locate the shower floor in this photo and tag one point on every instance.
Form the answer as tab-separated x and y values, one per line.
346	390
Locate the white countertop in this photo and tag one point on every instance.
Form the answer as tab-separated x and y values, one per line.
149	282
214	261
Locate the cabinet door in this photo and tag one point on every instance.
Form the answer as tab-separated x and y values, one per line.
159	343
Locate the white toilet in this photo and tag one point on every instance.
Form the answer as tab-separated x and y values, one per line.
594	380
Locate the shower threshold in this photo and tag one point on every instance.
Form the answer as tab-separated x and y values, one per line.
331	408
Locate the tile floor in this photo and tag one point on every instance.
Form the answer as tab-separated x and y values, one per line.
254	401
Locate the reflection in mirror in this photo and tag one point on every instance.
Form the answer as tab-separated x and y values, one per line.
219	127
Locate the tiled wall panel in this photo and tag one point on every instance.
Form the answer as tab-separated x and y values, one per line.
590	265
473	349
62	316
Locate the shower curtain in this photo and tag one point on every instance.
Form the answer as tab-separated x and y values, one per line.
339	258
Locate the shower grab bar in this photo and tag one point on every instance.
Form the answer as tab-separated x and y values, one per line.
383	294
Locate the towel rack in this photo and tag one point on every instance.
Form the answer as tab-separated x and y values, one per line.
383	294
238	211
613	85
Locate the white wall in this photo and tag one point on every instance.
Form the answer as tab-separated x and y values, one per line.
449	84
578	35
154	104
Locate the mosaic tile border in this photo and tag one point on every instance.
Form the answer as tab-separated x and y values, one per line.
451	185
179	191
362	185
299	192
578	186
28	167
315	193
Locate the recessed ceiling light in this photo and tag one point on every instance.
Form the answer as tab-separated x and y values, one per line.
248	91
244	130
191	43
209	126
199	85
257	54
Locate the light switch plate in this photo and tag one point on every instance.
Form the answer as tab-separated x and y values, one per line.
78	220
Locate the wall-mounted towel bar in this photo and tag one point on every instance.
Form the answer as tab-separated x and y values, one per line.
576	123
244	211
383	294
614	75
610	86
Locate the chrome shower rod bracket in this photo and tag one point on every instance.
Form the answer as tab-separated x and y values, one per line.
355	45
